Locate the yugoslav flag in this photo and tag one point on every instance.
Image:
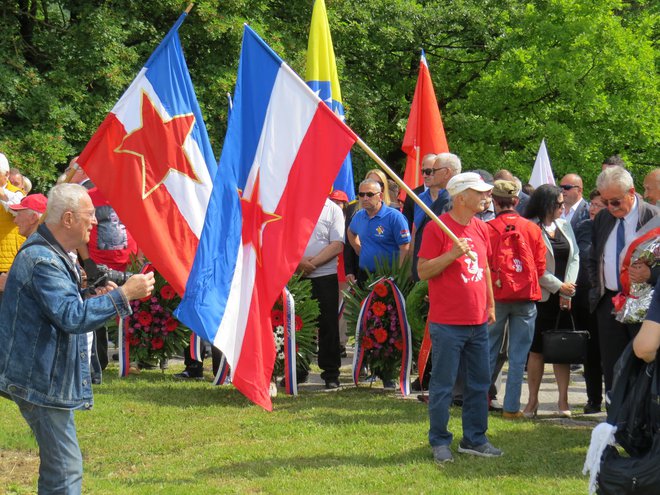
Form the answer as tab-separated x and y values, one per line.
283	148
321	76
542	171
424	133
152	159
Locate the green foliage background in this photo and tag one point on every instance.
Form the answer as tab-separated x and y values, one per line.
581	73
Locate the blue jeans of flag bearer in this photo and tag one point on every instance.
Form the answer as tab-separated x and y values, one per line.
450	343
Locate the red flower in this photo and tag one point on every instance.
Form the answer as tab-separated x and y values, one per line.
378	308
299	323
399	344
144	318
133	340
167	292
380	289
171	324
277	317
367	343
380	334
157	343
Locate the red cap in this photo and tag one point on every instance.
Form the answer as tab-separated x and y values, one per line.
338	195
36	202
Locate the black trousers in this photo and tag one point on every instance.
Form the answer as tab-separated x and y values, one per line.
614	336
325	290
593	371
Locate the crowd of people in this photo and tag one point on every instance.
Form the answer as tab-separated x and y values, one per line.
504	265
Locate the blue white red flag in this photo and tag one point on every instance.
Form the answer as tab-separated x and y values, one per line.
321	76
283	149
151	157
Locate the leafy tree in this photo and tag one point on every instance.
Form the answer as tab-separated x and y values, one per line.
581	73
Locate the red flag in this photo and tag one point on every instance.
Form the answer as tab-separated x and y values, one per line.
424	131
152	159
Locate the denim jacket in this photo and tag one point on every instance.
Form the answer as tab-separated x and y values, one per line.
43	325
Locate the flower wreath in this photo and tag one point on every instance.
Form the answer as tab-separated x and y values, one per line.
152	333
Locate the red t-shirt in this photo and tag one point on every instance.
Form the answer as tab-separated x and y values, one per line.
458	295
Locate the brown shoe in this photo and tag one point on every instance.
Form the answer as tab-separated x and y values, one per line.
513	415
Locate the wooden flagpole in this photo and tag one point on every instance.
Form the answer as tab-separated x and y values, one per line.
410	192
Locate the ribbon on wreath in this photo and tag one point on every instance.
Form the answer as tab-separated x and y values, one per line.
406	336
289	311
123	347
196	347
620	299
222	375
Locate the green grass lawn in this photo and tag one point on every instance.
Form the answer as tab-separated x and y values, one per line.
152	434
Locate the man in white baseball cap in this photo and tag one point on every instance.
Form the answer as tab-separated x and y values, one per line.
461	307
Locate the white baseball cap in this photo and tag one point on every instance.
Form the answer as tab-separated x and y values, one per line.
467	180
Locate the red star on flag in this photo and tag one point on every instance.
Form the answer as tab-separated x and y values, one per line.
254	218
159	145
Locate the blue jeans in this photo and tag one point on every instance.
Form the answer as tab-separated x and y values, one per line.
450	344
60	469
521	317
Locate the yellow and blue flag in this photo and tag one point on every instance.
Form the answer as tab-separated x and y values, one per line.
321	76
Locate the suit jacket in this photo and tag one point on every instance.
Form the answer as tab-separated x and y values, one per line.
603	225
581	213
409	206
549	283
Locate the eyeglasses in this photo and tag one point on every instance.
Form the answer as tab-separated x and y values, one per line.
90	214
431	171
559	204
367	194
611	202
568	187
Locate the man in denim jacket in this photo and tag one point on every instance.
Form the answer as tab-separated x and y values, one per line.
44	317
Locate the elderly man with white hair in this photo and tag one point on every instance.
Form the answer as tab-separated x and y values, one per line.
615	226
44	366
10	239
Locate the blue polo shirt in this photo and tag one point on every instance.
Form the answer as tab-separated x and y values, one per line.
380	236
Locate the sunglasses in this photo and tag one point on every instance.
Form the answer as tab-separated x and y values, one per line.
611	202
559	204
367	194
431	171
568	187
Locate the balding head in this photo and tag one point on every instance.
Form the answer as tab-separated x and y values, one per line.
571	185
503	174
652	186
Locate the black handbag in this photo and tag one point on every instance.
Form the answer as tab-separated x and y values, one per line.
565	346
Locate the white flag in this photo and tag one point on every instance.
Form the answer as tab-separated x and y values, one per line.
542	172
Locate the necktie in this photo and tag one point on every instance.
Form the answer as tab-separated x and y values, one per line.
620	242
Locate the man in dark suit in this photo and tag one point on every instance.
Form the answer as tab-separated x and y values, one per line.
576	207
614	227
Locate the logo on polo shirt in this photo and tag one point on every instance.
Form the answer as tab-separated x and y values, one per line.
405	233
380	230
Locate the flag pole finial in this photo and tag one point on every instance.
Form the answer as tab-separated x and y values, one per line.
189	7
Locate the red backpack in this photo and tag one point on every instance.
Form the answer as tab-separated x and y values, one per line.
513	268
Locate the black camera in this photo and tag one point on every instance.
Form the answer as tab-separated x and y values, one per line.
109	275
100	275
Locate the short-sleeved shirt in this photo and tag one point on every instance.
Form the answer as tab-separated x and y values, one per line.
458	295
380	236
654	309
329	228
